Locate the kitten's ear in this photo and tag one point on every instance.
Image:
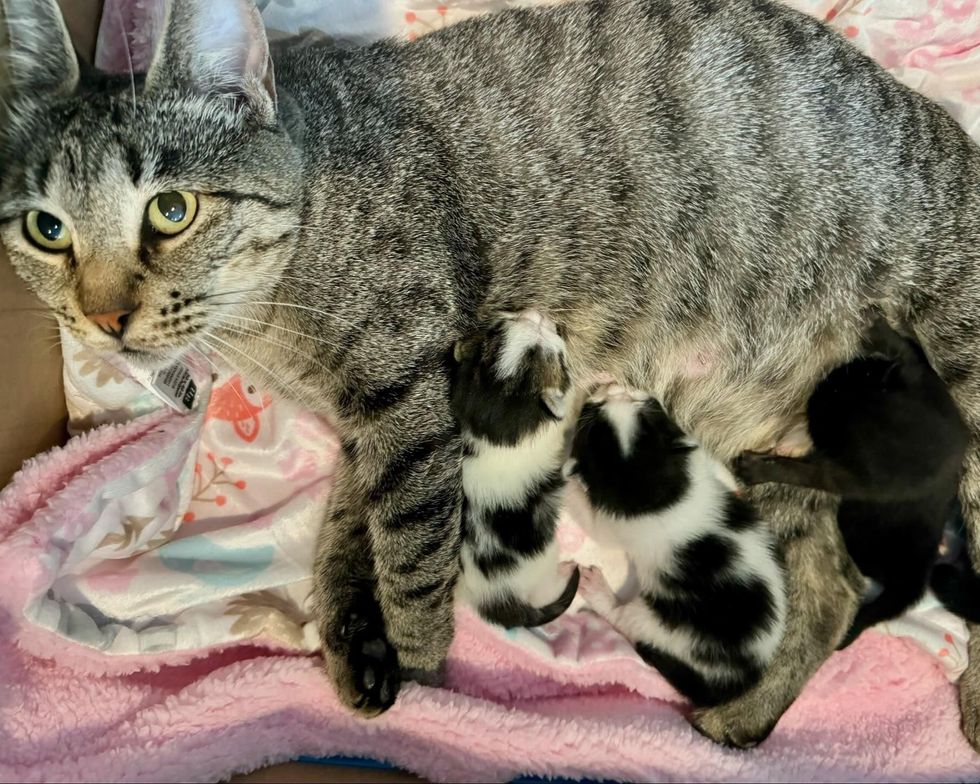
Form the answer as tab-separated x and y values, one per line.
217	47
38	56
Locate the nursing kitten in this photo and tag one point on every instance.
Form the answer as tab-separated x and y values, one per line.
711	608
709	194
509	390
889	439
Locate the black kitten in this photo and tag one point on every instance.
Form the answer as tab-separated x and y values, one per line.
889	439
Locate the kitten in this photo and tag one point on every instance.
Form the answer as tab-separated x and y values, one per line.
889	439
711	608
509	389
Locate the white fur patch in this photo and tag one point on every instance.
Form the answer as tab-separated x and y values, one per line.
622	416
523	333
498	476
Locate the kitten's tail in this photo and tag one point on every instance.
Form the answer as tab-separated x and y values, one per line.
511	612
958	588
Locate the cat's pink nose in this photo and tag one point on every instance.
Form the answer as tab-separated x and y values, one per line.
112	323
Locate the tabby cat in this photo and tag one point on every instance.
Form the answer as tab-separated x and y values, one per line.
710	194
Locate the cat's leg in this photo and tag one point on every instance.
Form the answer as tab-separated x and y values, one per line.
401	477
360	661
811	471
823	590
896	597
969	683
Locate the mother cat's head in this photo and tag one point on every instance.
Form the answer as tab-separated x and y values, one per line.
142	210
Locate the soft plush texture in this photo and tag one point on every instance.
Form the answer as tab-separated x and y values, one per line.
153	622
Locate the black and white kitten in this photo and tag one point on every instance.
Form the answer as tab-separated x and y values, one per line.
508	394
889	439
711	607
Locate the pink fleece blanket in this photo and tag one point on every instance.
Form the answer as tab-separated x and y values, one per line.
152	620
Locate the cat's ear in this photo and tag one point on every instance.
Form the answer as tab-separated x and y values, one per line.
215	47
38	56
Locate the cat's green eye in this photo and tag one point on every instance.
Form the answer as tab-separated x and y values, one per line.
172	212
47	231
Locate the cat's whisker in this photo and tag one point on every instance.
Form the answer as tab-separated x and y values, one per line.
310	309
258	335
217	370
207	297
270	303
283	329
293	393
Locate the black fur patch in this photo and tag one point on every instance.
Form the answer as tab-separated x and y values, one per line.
654	476
739	514
495	563
691	683
700	594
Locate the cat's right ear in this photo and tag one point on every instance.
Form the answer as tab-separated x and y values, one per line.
216	47
38	56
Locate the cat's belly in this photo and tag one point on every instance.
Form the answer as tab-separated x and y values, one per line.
728	402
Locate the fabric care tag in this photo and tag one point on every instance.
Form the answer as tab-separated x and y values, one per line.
174	385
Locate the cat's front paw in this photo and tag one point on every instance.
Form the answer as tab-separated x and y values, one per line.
738	724
359	658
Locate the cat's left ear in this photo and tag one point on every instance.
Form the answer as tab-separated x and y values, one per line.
216	47
38	56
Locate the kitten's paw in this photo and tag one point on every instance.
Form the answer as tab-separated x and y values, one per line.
752	468
360	660
614	392
734	724
595	590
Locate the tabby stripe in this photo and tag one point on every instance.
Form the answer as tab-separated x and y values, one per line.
356	400
397	470
135	162
432	511
420	592
432	545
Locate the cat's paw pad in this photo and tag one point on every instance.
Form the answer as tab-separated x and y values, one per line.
595	590
361	661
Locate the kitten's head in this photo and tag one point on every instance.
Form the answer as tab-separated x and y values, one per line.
144	211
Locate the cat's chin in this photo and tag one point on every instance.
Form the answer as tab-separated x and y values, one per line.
148	361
